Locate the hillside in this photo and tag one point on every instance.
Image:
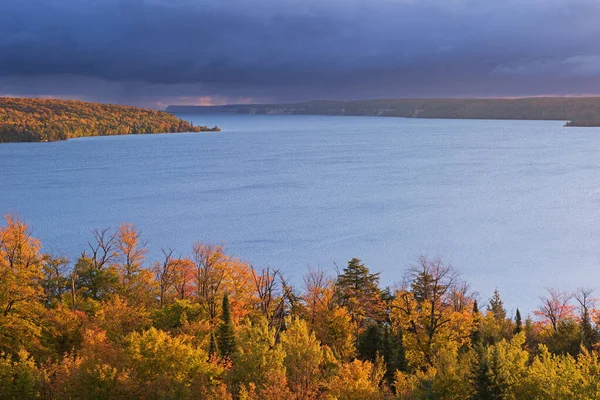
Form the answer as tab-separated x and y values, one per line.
114	324
581	111
41	120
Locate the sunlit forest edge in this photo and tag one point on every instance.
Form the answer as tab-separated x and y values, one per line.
45	120
199	323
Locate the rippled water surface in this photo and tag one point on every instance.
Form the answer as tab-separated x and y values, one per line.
511	204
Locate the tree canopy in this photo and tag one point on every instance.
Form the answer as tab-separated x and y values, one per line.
45	120
114	325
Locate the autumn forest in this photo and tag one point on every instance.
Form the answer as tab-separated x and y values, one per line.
44	120
207	325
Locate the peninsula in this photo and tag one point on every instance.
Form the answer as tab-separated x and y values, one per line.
578	111
44	120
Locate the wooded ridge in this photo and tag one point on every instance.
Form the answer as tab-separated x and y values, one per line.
580	111
44	120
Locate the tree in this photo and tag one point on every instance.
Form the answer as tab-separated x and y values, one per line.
165	275
587	307
370	343
55	282
20	378
358	380
303	358
136	283
20	266
476	331
94	280
118	318
494	326
426	315
20	289
183	269
210	273
226	335
163	367
259	359
518	322
213	349
357	289
103	249
317	295
496	306
393	352
555	308
338	333
507	367
272	292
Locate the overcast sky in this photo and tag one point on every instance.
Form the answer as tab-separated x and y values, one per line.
160	52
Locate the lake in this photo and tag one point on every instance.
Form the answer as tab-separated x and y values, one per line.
511	204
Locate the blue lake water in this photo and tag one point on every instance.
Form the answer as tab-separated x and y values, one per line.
511	204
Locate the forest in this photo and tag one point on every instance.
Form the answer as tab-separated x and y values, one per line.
200	323
44	120
578	111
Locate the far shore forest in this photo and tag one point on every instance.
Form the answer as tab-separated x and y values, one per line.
44	120
200	323
578	111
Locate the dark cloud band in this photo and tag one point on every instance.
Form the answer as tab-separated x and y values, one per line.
271	47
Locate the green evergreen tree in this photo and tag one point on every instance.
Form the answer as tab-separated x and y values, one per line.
370	343
357	289
475	333
588	333
393	353
496	306
518	322
480	374
226	334
212	346
422	287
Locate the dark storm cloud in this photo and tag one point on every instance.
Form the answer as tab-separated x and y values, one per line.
290	49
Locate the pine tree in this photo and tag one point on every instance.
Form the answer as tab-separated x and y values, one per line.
518	322
357	289
226	334
370	343
393	353
475	333
496	306
480	374
421	287
212	346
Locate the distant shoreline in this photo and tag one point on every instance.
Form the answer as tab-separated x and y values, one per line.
577	111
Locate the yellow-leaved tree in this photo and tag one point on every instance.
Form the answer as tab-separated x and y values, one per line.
434	311
20	287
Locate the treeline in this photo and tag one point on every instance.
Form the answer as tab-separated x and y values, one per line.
585	124
582	111
41	120
112	325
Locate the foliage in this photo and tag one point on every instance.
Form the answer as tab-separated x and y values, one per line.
357	289
42	120
358	380
259	361
303	359
209	326
226	333
581	111
20	378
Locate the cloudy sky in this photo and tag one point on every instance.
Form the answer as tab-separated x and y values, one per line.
159	52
